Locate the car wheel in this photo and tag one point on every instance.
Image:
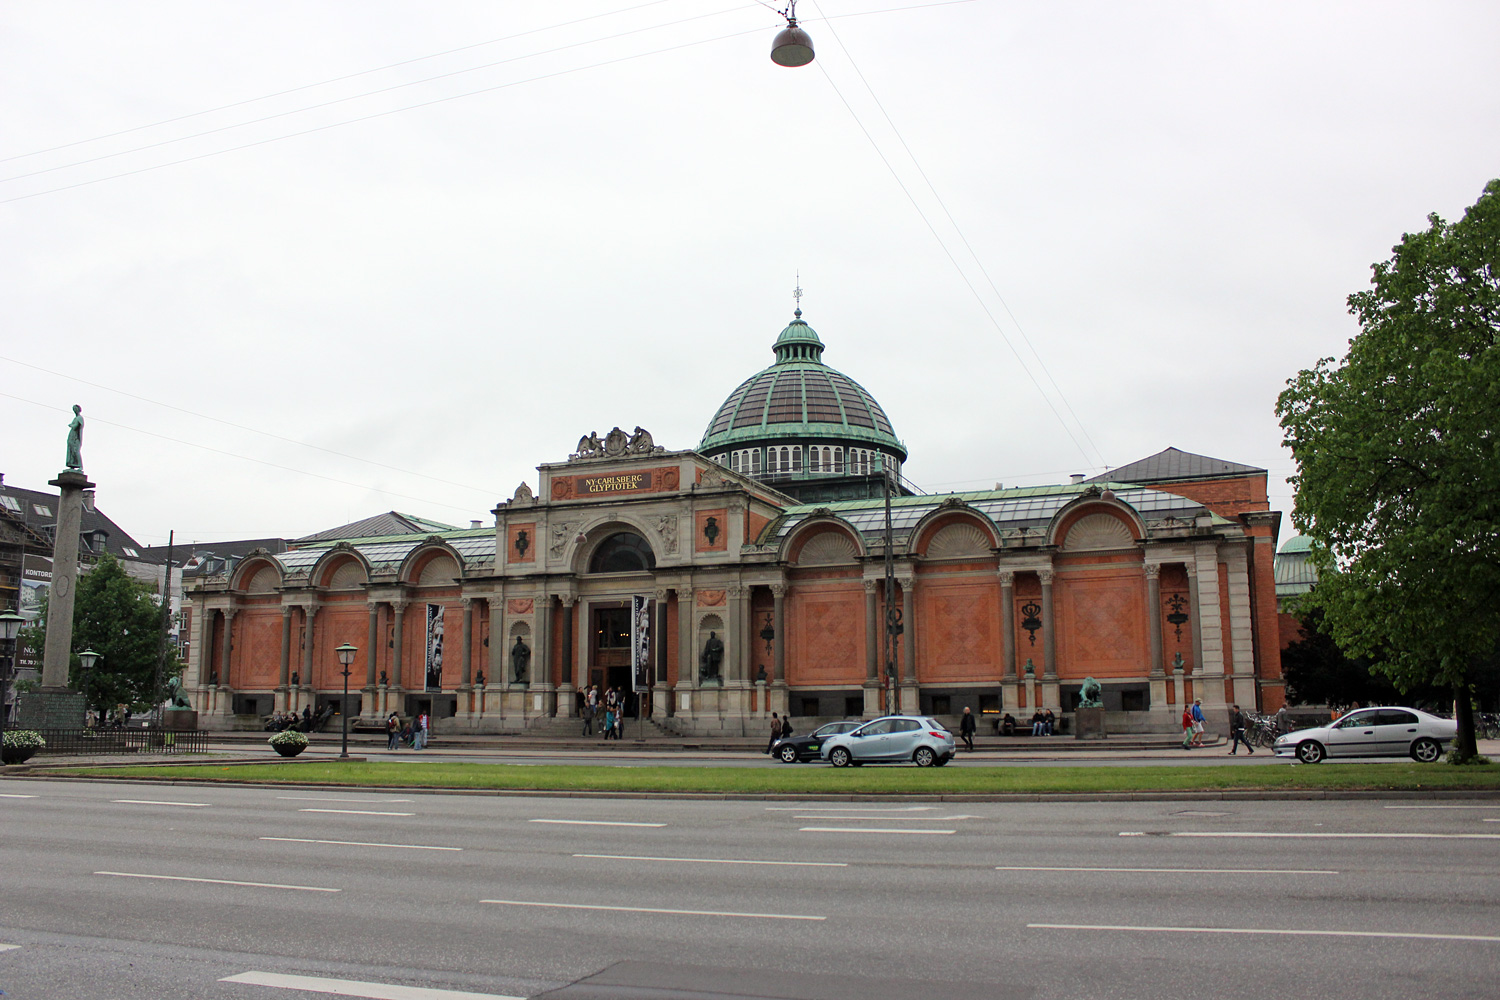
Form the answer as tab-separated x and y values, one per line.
1310	751
924	756
1426	751
839	757
941	762
788	754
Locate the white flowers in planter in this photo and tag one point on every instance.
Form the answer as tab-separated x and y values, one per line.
289	738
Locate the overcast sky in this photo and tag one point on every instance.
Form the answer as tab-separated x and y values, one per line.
392	256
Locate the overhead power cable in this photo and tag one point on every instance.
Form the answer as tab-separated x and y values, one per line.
253	430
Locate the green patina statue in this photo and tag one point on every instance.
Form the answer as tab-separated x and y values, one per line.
175	697
1090	696
75	441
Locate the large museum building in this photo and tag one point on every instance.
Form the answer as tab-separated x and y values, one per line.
751	574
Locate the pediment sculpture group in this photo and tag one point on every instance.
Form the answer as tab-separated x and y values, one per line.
615	444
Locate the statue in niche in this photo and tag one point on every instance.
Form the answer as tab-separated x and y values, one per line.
710	659
384	680
75	441
296	678
1177	663
520	659
479	679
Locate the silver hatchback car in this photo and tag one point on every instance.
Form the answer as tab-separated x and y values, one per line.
892	739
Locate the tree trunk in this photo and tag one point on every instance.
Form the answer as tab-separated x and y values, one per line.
1463	714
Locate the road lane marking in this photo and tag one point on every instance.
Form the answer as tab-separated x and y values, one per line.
864	829
221	881
356	812
157	802
890	819
1268	930
14	795
1442	807
9	947
361	843
355	988
872	809
1173	871
1329	836
718	861
652	909
592	822
324	798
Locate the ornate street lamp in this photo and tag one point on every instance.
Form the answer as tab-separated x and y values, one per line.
793	46
87	659
346	657
10	627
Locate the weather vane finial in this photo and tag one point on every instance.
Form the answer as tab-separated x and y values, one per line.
797	293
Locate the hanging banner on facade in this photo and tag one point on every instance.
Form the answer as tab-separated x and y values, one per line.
434	647
640	643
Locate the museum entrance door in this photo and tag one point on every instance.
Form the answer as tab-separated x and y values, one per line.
609	653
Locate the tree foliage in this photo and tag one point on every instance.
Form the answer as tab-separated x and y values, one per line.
1398	454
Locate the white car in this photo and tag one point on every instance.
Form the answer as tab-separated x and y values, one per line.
1372	732
891	739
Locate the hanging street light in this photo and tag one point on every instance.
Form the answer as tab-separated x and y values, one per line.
87	659
793	46
346	658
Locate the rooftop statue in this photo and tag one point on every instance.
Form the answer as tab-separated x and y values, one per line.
75	441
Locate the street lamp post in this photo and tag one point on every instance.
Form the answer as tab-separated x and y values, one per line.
10	627
893	626
346	657
87	659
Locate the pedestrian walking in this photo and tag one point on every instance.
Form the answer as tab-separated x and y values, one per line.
1198	722
966	729
1237	730
775	732
392	731
786	725
1187	727
419	732
588	717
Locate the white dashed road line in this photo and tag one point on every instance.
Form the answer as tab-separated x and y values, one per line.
592	822
652	909
356	812
9	947
1442	807
870	809
355	988
718	861
1175	871
865	829
1268	930
156	802
1256	835
13	795
324	798
361	843
887	819
220	881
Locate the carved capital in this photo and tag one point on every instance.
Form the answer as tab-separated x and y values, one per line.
661	595
1192	570
737	591
398	606
467	602
567	600
1153	571
870	585
229	613
778	590
1007	578
1046	576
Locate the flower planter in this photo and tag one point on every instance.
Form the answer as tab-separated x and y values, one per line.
289	751
16	755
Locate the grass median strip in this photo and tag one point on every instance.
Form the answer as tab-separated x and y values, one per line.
828	781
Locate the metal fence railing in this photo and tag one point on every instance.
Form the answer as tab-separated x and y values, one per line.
122	741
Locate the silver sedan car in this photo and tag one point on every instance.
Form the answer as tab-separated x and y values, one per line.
891	739
1372	732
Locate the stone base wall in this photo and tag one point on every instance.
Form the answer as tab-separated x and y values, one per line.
50	710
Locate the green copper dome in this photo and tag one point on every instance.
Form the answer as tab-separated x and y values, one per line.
799	399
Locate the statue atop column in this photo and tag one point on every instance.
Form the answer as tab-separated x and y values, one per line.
75	441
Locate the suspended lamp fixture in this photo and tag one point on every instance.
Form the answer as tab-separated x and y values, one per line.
793	46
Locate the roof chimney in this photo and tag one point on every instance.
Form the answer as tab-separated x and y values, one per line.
473	524
1077	477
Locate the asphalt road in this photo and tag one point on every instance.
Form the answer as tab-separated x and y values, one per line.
158	891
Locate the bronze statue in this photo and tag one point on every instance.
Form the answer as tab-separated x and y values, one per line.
712	656
75	441
1092	694
520	657
175	697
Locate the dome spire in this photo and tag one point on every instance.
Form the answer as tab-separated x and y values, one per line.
797	295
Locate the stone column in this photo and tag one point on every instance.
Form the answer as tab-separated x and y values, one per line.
311	613
541	659
1241	628
1051	690
1208	675
566	702
283	700
58	652
398	621
778	695
872	651
687	660
911	692
661	691
226	652
1009	674
368	709
1155	672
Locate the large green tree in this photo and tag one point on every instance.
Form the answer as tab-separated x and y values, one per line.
121	619
1398	453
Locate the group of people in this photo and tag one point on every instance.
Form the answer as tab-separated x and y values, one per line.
309	721
1043	723
781	729
413	732
611	703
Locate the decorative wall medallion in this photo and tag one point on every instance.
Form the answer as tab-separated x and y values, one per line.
711	530
710	598
1031	619
523	542
520	607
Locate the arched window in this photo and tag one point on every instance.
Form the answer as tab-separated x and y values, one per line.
797	459
838	460
755	460
771	465
624	552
